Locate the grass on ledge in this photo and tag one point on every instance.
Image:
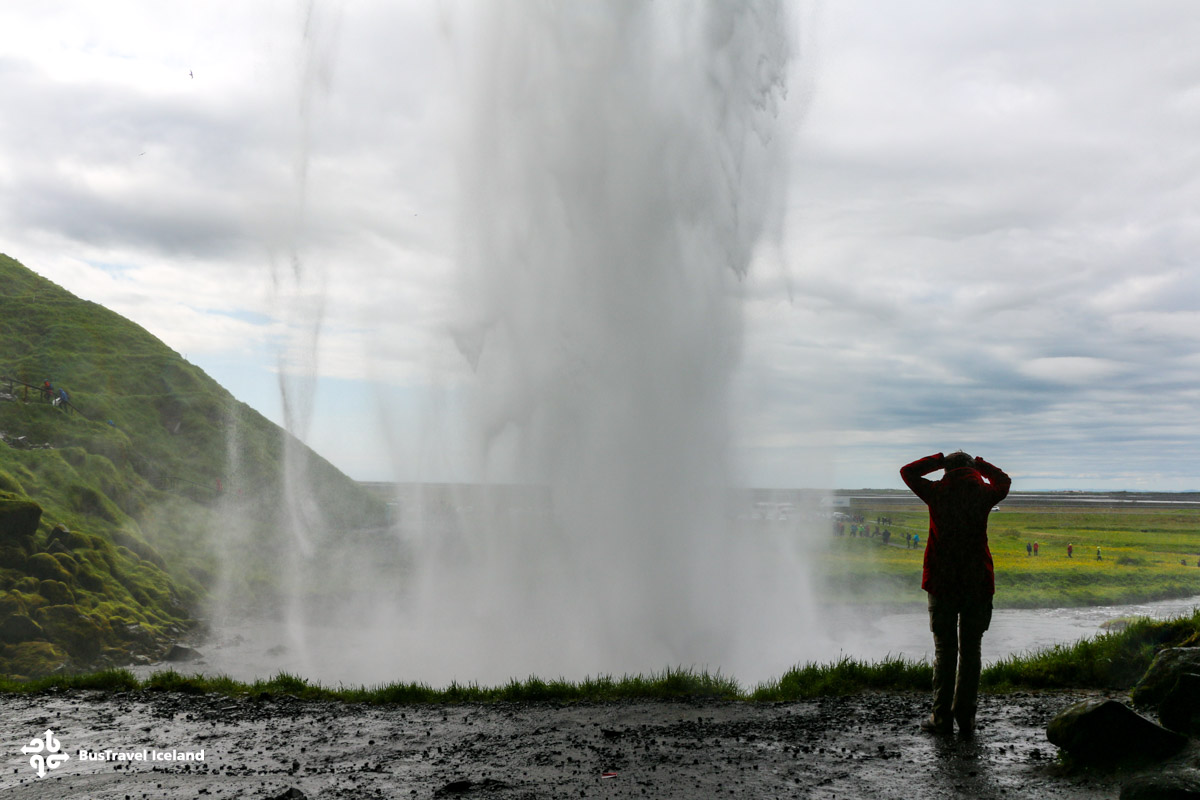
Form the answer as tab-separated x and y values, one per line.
1111	661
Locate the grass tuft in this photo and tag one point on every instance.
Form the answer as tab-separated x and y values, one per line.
1111	661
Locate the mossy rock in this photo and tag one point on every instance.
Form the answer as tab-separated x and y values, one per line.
130	546
67	626
86	500
11	603
87	578
19	517
28	585
56	592
32	659
18	628
13	557
67	562
46	567
10	484
71	540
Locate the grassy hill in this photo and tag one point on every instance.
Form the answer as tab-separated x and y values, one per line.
124	511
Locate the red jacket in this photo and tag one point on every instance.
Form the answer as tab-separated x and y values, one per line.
958	564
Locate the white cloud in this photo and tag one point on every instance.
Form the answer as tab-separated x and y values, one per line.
991	237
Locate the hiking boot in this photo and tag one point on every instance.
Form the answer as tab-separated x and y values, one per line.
966	726
930	725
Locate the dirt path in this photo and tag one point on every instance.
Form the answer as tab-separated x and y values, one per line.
857	747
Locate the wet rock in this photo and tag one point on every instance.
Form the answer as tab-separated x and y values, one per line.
19	628
292	793
466	786
1163	674
1180	709
1105	730
1168	786
179	652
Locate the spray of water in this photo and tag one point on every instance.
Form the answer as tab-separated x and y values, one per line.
619	164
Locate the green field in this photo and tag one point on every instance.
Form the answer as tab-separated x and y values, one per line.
1148	554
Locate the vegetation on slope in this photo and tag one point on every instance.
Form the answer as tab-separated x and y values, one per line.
113	534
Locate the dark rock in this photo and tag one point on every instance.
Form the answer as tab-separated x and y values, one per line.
13	557
19	628
1163	674
1180	709
1105	730
1168	786
292	793
466	786
180	653
136	632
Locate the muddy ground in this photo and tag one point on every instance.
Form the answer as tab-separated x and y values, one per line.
854	747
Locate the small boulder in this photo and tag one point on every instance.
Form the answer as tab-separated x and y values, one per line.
19	628
1163	674
1165	786
1105	730
179	652
56	592
292	793
46	567
1180	709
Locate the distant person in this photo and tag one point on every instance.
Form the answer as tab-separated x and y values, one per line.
916	540
1098	558
63	399
1028	548
47	391
958	576
1035	548
1070	550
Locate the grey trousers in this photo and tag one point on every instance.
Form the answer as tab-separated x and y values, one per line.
958	627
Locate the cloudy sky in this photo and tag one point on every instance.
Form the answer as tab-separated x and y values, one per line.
989	237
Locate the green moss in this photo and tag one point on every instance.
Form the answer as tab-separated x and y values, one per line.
13	558
27	584
10	485
33	658
19	518
11	603
47	567
56	592
82	635
72	540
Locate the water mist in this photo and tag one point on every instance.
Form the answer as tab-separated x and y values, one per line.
619	164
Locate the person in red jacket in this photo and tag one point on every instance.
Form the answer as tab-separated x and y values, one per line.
958	577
